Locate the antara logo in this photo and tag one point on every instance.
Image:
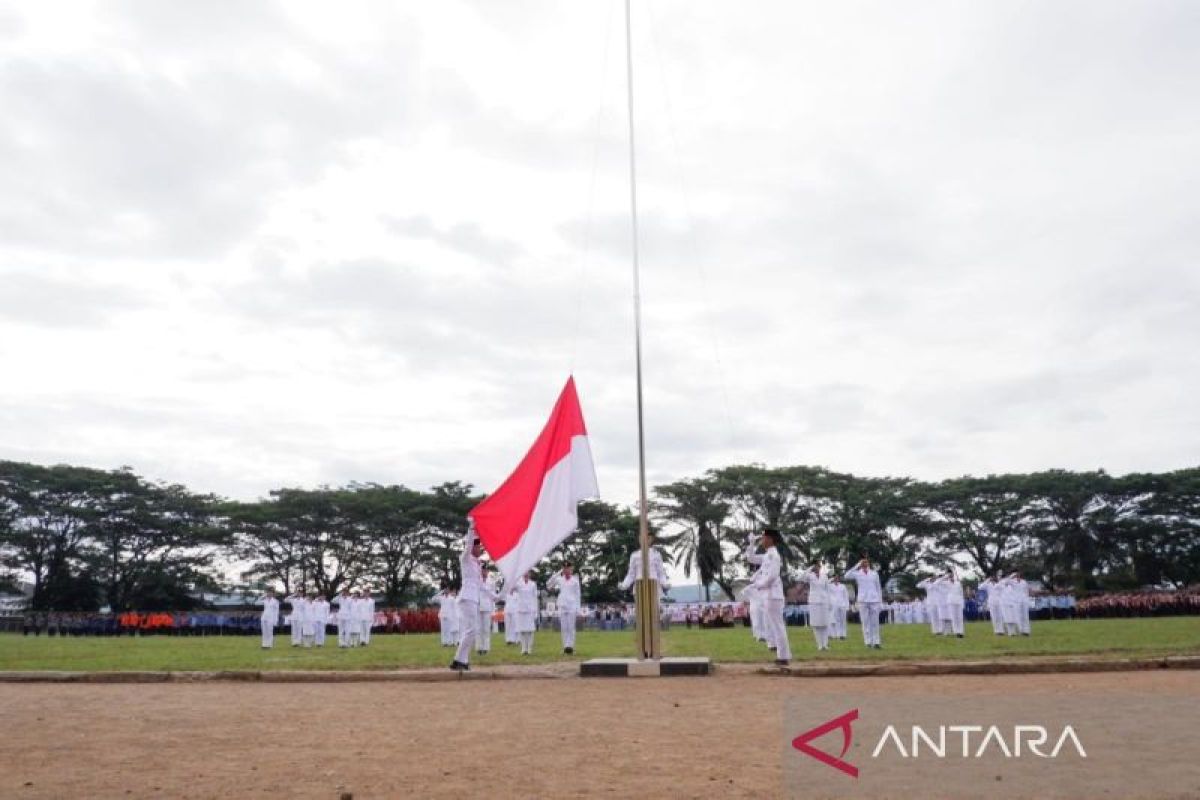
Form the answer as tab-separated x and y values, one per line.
976	741
801	742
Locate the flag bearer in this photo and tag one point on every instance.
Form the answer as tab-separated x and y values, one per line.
468	598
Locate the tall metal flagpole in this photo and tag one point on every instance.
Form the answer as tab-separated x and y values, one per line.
646	592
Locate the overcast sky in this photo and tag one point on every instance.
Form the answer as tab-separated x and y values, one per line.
249	245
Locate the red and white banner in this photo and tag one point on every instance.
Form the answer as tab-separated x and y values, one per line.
536	508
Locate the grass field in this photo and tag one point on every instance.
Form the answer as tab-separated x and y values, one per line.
1116	637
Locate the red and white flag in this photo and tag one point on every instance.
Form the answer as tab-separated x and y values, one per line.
536	508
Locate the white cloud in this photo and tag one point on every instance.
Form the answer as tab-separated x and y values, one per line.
252	245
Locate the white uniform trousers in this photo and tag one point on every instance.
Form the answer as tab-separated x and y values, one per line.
997	615
320	632
468	619
343	632
943	612
268	633
765	631
1012	618
510	626
777	628
365	636
956	618
296	633
1023	616
566	623
869	613
483	633
448	632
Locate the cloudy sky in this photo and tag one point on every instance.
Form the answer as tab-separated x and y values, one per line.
246	245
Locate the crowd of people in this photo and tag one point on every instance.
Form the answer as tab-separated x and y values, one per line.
1139	604
201	623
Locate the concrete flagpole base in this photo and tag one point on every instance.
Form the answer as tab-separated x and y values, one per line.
650	668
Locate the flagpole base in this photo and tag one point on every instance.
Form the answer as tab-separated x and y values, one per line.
669	667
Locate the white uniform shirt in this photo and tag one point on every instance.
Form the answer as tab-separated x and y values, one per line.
867	583
569	591
933	591
526	595
954	592
445	602
766	578
818	588
1020	590
472	577
839	595
270	612
657	571
488	595
300	610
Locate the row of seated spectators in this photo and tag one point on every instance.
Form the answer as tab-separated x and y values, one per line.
1140	604
199	623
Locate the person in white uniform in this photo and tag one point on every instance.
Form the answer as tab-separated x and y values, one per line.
525	593
819	605
955	601
1020	594
510	616
468	598
839	607
308	632
570	596
869	597
991	587
933	604
354	636
296	604
269	619
341	615
768	581
366	617
446	600
320	620
488	594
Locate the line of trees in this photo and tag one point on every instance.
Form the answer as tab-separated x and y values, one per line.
91	537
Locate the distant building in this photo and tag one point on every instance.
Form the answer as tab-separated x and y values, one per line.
693	593
13	604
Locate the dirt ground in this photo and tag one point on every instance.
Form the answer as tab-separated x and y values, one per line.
680	737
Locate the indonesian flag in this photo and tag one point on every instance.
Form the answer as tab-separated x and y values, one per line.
536	508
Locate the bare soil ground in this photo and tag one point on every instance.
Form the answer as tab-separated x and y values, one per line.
681	737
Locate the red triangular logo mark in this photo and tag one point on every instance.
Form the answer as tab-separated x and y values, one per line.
801	742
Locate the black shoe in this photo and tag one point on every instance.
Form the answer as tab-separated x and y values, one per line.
959	635
1024	634
459	666
771	647
569	650
781	662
